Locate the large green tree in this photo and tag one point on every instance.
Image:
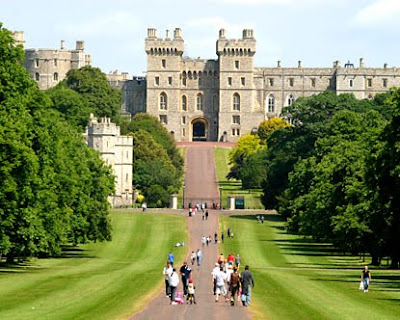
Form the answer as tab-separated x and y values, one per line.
53	188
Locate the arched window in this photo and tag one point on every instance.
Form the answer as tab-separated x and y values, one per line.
236	102
55	76
163	101
184	103
199	102
271	103
290	100
37	77
184	78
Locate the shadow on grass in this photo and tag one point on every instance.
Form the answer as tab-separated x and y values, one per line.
73	252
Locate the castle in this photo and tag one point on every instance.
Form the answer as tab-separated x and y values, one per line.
50	66
224	98
214	99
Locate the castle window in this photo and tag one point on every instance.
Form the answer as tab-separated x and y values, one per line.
290	100
236	132
184	78
236	119
271	103
163	101
215	81
170	81
37	62
55	62
243	81
385	83
183	132
237	64
163	63
236	102
351	83
126	177
55	76
157	81
215	103
190	75
194	75
229	81
199	101
313	82
37	77
271	82
163	118
291	82
369	83
183	120
184	103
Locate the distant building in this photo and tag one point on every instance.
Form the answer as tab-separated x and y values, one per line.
224	98
117	152
50	66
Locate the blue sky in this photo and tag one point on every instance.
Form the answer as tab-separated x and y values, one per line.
314	31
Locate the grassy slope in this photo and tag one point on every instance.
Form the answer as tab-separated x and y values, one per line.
234	187
182	152
97	281
300	279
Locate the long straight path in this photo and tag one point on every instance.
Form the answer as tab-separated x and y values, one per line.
201	183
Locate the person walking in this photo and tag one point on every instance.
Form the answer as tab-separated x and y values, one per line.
206	214
214	276
366	278
199	256
222	237
229	232
237	261
173	283
193	257
185	271
247	282
167	274
171	258
262	219
216	237
191	298
203	240
220	280
234	285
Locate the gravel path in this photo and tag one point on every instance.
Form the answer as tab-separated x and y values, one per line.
200	182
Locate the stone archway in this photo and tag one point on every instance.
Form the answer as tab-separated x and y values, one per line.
199	129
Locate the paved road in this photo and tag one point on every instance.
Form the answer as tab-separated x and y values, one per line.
201	181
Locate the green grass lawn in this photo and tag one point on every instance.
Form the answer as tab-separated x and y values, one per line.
297	278
234	187
97	281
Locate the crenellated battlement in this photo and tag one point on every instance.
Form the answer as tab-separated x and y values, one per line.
246	46
164	46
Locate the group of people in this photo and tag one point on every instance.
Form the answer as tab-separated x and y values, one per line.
229	283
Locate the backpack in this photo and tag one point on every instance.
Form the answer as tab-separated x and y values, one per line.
234	278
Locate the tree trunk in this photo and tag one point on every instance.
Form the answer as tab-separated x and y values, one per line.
10	258
395	262
375	260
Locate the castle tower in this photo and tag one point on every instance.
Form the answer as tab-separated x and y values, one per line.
164	59
117	152
236	96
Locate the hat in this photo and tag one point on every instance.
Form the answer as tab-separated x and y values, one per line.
190	280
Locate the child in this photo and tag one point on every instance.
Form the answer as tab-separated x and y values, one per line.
191	296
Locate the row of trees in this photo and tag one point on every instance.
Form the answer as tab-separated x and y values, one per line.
53	188
335	173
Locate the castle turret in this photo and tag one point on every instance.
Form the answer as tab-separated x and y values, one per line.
19	38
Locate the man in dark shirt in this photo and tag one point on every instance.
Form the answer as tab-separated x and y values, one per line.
246	280
185	271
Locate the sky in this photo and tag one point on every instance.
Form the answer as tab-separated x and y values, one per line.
317	32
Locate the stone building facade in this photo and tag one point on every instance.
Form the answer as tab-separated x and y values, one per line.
50	66
117	152
224	98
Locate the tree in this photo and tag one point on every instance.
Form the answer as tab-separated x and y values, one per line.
269	126
53	187
91	83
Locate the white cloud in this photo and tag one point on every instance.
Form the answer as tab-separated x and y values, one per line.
111	24
378	13
216	23
293	3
